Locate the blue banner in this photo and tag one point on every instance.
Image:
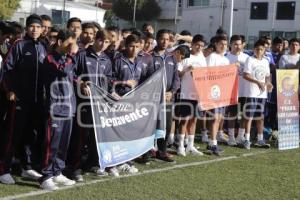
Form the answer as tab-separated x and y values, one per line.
126	128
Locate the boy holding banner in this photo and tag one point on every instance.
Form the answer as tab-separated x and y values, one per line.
188	97
217	58
93	66
257	76
130	70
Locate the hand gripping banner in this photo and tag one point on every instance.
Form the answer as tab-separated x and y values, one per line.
126	128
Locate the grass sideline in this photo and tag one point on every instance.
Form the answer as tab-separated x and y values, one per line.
264	174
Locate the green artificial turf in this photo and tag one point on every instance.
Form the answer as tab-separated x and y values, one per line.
267	174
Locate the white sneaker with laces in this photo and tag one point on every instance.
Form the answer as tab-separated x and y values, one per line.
30	174
61	179
133	169
239	141
114	172
125	168
48	185
231	141
193	151
7	179
181	151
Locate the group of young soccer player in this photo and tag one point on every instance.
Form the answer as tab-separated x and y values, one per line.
46	72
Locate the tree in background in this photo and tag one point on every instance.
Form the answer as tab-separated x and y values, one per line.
8	7
109	18
146	10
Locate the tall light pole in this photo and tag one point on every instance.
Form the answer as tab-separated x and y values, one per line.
273	18
176	13
222	13
231	18
63	13
134	13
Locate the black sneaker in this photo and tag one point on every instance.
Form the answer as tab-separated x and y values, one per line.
77	176
145	159
214	149
164	158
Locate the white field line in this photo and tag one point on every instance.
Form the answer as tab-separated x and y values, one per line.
151	171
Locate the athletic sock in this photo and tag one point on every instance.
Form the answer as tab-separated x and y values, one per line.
247	136
191	141
213	142
241	133
171	138
231	132
221	134
181	140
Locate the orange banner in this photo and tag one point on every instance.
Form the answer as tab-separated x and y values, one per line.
216	86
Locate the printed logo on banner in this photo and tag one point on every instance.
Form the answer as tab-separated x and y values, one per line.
107	157
215	92
287	87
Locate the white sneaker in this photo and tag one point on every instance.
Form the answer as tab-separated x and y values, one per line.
7	179
205	138
30	174
61	179
128	169
181	151
193	151
231	142
114	172
239	141
134	169
48	185
221	138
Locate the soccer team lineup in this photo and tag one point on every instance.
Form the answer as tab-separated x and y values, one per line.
85	105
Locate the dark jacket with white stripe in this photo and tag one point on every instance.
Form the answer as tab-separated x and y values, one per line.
59	77
167	61
95	68
22	70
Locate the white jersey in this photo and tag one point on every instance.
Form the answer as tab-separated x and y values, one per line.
241	59
288	61
215	59
188	90
259	70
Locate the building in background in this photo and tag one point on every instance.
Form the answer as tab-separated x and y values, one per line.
83	9
251	18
